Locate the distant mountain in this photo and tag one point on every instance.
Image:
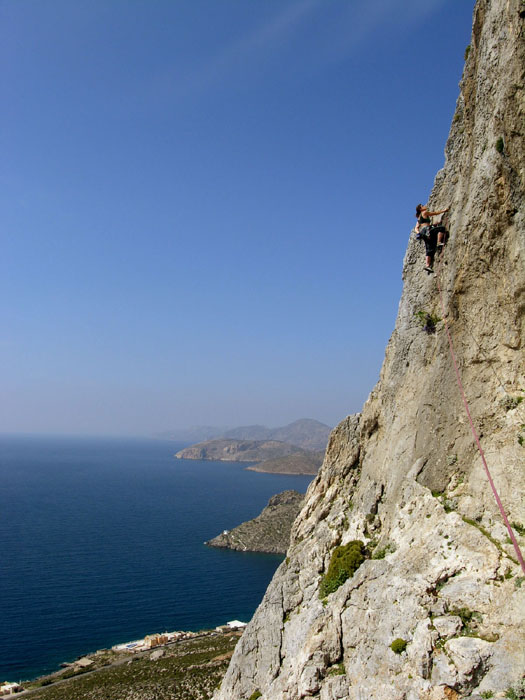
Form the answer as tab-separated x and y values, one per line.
248	432
238	450
306	433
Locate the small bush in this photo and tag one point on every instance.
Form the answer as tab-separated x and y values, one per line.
487	694
399	645
256	694
450	504
517	692
467	51
500	145
464	614
338	670
428	321
345	561
387	549
520	529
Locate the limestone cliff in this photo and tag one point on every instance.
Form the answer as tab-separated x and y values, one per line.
405	476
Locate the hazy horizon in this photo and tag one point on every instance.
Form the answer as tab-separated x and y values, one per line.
157	435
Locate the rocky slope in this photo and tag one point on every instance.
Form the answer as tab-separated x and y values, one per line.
268	532
239	450
404	476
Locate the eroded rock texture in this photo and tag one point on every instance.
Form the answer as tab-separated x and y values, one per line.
405	476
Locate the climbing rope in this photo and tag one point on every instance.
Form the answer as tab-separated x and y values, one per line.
475	434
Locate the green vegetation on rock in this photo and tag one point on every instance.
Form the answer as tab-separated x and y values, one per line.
399	645
345	561
517	692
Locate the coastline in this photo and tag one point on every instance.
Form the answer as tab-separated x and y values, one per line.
151	648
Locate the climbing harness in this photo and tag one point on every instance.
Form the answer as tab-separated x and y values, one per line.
476	438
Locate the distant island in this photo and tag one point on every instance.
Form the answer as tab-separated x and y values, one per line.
306	433
268	532
238	450
297	448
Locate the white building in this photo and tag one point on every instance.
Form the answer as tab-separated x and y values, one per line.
9	688
236	624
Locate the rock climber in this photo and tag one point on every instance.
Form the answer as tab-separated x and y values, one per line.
434	236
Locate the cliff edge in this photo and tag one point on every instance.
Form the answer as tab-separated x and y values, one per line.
437	608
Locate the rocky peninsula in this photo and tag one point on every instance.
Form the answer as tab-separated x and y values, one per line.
268	532
297	448
230	450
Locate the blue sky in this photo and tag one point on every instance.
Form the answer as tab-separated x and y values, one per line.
205	204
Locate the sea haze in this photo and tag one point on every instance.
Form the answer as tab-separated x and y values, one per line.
101	542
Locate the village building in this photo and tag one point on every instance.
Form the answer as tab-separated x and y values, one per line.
10	688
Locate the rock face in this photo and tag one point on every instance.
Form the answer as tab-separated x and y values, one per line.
239	450
269	531
404	476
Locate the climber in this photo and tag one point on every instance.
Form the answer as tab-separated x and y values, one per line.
434	236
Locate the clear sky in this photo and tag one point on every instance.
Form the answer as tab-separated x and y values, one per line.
205	203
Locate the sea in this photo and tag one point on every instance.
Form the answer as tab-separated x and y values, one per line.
102	542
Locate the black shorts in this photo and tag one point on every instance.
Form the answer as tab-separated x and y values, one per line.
429	235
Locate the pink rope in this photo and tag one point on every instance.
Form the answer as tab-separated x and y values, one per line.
476	438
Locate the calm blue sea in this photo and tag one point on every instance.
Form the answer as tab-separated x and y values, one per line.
101	541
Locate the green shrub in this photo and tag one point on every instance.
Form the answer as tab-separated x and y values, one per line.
487	694
256	694
427	321
399	645
381	553
520	529
500	145
345	561
467	51
517	692
337	670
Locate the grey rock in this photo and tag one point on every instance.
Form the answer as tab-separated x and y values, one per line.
388	478
470	656
157	654
447	626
